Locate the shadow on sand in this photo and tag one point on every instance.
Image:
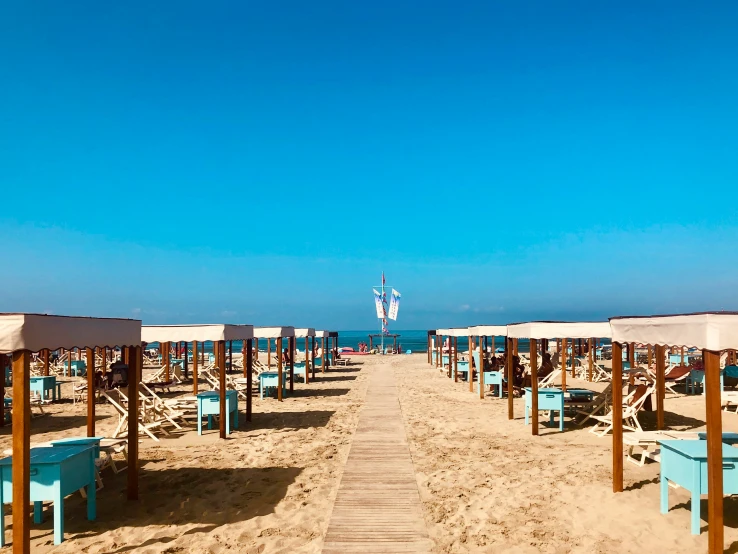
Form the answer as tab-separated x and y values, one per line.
207	497
285	420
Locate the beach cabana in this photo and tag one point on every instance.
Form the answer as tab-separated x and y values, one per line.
307	334
218	334
327	337
23	334
545	331
713	333
279	334
453	351
482	332
430	345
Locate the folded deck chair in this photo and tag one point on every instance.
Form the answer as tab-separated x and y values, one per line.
646	442
171	411
550	379
630	411
599	403
145	423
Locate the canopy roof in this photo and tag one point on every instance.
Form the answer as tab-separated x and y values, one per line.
488	331
200	333
35	332
302	333
462	332
709	331
560	330
325	334
274	332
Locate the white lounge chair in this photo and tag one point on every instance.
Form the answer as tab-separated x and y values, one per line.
630	414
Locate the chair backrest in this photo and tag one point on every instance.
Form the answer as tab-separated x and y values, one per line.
642	393
549	379
475	355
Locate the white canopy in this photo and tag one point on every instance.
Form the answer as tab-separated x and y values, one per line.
274	332
302	333
322	334
488	331
560	330
35	332
462	332
200	333
709	331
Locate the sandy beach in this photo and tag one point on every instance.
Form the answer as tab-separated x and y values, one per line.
485	484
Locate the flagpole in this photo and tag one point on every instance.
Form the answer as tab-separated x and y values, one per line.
381	322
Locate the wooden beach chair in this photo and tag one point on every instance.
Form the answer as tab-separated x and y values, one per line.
630	413
643	445
145	424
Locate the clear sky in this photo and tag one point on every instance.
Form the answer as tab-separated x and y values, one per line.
263	162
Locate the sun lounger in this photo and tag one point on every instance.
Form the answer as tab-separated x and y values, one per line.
630	413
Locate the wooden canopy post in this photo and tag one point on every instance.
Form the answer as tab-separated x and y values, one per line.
563	364
590	357
312	354
248	366
2	388
291	348
230	353
450	356
510	373
195	356
221	347
244	349
573	357
534	384
428	347
135	362
682	353
471	362
455	342
21	470
480	372
167	362
269	353
515	347
90	392
660	386
279	368
650	357
186	362
256	347
323	357
307	360
711	360
631	362
46	362
617	417
438	351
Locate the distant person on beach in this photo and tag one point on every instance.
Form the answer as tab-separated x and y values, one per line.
518	372
547	367
286	356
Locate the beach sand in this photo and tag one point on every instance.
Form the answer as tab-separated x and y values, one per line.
486	485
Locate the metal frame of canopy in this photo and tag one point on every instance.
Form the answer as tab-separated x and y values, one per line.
219	335
279	333
20	336
483	331
544	331
713	333
306	334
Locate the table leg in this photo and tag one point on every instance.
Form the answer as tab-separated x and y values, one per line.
210	422
235	416
59	517
527	409
199	422
664	494
561	420
696	489
92	493
2	518
38	512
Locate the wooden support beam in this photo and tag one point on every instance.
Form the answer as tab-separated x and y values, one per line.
590	359
564	346
90	392
660	386
534	384
21	470
650	357
167	362
195	361
455	342
3	364
186	357
135	362
510	374
471	362
269	352
307	360
617	417
714	429
480	377
249	369
279	368
221	347
291	348
46	362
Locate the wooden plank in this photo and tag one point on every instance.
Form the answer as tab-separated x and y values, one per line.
660	386
221	346
195	355
135	363
21	451
564	346
90	392
534	384
249	369
377	508
617	417
510	375
714	430
279	367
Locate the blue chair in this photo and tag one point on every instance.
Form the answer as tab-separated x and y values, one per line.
495	379
696	379
78	368
408	351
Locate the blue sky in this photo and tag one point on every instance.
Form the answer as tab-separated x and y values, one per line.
263	162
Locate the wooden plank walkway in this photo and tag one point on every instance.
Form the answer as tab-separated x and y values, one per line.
377	508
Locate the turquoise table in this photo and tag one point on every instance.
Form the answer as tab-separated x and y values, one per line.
462	368
548	399
685	464
55	473
270	380
43	385
696	379
300	371
208	404
79	368
493	378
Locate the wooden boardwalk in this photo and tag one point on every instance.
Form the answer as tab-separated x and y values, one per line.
377	508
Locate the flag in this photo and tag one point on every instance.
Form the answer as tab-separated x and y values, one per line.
378	304
394	305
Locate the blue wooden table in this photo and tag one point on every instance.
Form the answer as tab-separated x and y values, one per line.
493	378
300	371
208	404
270	380
548	399
685	464
45	384
79	368
55	473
